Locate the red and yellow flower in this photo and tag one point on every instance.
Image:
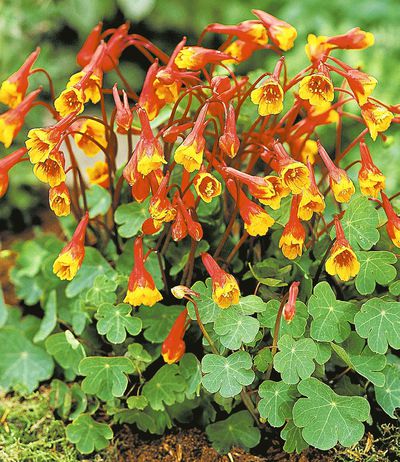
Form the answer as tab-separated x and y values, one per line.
99	174
173	347
141	287
160	208
91	134
370	178
294	174
268	96
393	220
289	309
377	117
207	186
195	58
251	32
225	289
317	88
311	200
293	236
229	142
342	260
123	116
280	32
71	256
6	164
51	170
60	200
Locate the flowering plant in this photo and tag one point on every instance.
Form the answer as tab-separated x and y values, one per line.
233	263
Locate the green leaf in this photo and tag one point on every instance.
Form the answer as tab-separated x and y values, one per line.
164	388
360	222
190	369
324	353
22	364
375	268
98	199
208	309
236	430
137	402
294	440
379	322
157	321
295	328
49	320
394	288
88	435
147	420
139	357
388	395
3	309
263	359
294	359
93	265
130	217
277	401
331	317
227	375
102	291
60	398
66	350
115	321
328	418
105	376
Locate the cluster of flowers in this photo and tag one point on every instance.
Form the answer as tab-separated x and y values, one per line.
201	82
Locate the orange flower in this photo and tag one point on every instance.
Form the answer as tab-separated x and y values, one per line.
225	289
141	287
160	208
342	259
115	46
229	142
370	178
98	174
173	347
13	89
239	51
317	48
354	39
179	228
89	47
70	100
361	84
195	58
311	200
60	200
317	88
148	99
193	227
90	131
6	164
304	149
281	33
289	309
269	97
123	117
207	186
294	174
251	32
340	183
293	236
51	170
376	117
71	256
12	120
393	221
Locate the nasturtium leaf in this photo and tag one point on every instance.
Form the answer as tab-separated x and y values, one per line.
139	357
294	440
157	321
88	435
49	320
102	291
93	265
388	396
277	400
379	322
98	200
66	350
360	222
295	328
237	430
208	309
190	369
137	402
394	288
331	317
22	364
3	309
324	353
328	418
165	387
263	359
105	377
60	398
295	359
115	321
130	217
233	328
147	420
227	375
376	267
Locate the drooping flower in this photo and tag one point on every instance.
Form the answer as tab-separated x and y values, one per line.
225	289
12	120
179	228
13	89
70	100
90	132
370	178
148	99
193	227
294	174
60	200
251	32
280	32
376	117
342	260
361	84
340	183
6	164
71	256
160	208
229	142
317	88
289	309
311	200
393	220
195	58
123	116
173	347
304	149
354	39
141	287
293	236
190	152
317	48
207	186
98	174
269	97
51	170
90	45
